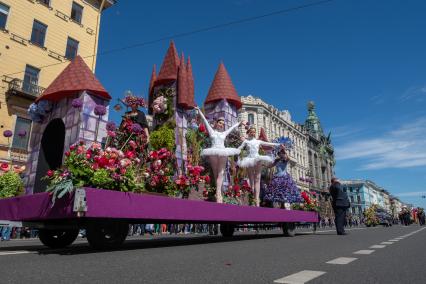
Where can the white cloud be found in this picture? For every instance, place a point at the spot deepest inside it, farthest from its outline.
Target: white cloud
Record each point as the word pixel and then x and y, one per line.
pixel 414 93
pixel 403 147
pixel 413 193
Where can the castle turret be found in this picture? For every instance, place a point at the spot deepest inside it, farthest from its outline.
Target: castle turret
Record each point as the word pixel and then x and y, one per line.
pixel 222 99
pixel 65 114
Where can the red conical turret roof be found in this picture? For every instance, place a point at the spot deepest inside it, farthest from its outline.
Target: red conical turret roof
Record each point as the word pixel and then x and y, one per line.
pixel 182 84
pixel 151 86
pixel 262 135
pixel 222 88
pixel 76 77
pixel 191 91
pixel 170 65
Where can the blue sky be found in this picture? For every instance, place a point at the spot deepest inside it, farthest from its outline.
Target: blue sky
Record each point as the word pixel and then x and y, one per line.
pixel 362 62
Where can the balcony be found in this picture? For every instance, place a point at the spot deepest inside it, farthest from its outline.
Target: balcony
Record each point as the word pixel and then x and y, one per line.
pixel 18 87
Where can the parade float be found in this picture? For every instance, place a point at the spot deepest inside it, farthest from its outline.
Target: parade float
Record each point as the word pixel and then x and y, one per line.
pixel 193 166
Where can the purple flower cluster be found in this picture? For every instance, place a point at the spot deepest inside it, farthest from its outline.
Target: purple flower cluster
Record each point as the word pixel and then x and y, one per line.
pixel 110 126
pixel 100 110
pixel 77 103
pixel 22 133
pixel 283 189
pixel 7 133
pixel 136 128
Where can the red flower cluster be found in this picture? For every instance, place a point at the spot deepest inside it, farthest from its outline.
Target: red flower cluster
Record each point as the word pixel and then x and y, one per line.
pixel 160 170
pixel 192 179
pixel 239 188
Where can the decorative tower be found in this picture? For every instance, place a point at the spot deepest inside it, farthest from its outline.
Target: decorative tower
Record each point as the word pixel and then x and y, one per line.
pixel 312 123
pixel 61 121
pixel 175 84
pixel 222 99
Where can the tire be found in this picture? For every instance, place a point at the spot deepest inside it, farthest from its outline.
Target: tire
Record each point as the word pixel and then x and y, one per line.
pixel 227 230
pixel 106 235
pixel 57 238
pixel 289 229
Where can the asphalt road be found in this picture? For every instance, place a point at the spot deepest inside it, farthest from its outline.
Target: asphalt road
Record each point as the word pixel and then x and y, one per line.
pixel 246 258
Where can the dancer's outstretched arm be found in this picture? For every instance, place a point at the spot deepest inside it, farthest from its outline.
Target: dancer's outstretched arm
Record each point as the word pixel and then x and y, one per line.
pixel 242 145
pixel 269 143
pixel 232 128
pixel 209 128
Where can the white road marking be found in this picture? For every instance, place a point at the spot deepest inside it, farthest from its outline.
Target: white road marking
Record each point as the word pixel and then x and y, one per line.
pixel 342 260
pixel 300 277
pixel 393 240
pixel 364 251
pixel 377 246
pixel 15 252
pixel 386 243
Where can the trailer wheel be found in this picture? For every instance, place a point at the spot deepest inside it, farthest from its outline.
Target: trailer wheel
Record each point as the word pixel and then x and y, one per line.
pixel 102 235
pixel 227 230
pixel 289 229
pixel 57 238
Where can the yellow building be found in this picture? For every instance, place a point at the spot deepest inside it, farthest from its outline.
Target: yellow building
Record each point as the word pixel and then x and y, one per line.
pixel 37 40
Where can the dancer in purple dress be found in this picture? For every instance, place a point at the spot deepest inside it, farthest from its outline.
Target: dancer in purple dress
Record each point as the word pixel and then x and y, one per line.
pixel 282 188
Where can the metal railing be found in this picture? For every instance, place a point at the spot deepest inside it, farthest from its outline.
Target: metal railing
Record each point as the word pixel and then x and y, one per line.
pixel 28 88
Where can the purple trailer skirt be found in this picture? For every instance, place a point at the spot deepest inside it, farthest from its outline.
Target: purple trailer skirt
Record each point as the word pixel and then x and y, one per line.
pixel 121 205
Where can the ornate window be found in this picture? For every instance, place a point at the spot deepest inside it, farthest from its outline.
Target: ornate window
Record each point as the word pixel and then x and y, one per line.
pixel 251 118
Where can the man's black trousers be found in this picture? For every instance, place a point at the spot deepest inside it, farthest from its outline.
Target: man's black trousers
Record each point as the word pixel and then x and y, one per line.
pixel 340 215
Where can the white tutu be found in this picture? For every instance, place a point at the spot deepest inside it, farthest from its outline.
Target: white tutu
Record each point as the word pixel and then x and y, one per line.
pixel 224 152
pixel 249 162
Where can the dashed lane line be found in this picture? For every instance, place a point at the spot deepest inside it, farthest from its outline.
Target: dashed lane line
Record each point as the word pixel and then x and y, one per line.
pixel 342 260
pixel 15 252
pixel 393 240
pixel 300 277
pixel 364 251
pixel 387 243
pixel 378 246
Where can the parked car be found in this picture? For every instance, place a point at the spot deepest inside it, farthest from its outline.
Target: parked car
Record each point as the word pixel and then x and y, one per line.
pixel 384 217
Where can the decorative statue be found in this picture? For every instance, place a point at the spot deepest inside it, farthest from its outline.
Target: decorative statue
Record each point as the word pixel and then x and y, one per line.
pixel 282 188
pixel 218 154
pixel 253 162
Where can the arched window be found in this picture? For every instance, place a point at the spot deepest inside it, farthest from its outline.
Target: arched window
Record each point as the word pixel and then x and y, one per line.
pixel 251 118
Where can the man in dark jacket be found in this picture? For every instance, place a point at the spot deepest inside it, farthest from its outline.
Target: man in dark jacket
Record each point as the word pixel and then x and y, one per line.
pixel 340 203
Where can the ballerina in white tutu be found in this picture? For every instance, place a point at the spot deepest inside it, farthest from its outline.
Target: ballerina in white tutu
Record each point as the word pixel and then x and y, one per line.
pixel 254 161
pixel 218 154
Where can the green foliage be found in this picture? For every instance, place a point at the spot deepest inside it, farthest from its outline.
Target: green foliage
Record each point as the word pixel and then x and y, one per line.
pixel 101 179
pixel 77 166
pixel 58 190
pixel 370 216
pixel 10 185
pixel 163 137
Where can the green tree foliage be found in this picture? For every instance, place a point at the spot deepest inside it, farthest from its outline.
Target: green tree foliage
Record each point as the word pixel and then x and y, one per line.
pixel 10 185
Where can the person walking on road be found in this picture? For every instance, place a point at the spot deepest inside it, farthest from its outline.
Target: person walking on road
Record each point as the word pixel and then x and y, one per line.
pixel 340 203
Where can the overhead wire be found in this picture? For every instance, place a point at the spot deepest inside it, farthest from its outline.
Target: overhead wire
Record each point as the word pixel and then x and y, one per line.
pixel 196 31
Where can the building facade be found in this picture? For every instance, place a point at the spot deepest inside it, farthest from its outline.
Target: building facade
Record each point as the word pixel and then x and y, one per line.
pixel 320 158
pixel 365 193
pixel 277 123
pixel 38 38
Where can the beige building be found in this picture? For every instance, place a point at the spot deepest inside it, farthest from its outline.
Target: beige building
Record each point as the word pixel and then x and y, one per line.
pixel 277 123
pixel 37 40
